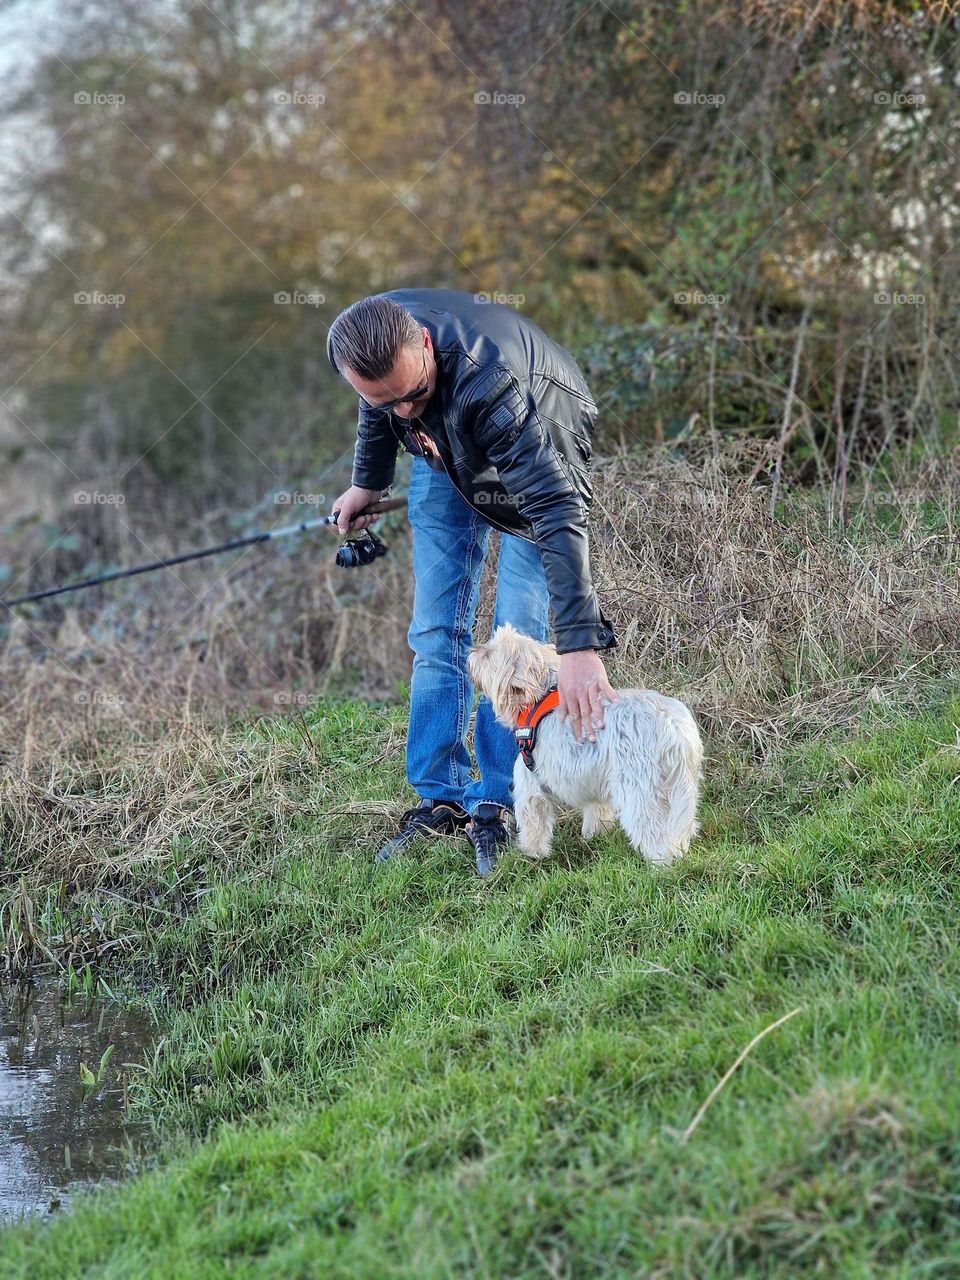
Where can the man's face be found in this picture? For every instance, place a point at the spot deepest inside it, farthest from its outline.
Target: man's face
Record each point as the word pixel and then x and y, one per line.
pixel 414 369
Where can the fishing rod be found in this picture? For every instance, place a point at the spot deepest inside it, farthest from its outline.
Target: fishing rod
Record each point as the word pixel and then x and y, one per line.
pixel 358 551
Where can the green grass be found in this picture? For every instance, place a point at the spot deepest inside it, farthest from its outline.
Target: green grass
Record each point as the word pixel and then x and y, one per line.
pixel 404 1072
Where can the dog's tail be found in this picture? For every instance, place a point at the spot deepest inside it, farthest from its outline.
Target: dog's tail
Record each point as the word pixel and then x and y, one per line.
pixel 681 755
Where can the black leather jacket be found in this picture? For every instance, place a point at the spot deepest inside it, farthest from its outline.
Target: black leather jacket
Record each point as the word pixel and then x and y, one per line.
pixel 513 420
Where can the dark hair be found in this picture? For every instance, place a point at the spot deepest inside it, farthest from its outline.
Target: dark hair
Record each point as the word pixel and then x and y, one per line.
pixel 369 335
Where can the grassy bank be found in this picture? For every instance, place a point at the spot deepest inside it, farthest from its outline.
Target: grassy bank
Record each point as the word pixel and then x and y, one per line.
pixel 404 1072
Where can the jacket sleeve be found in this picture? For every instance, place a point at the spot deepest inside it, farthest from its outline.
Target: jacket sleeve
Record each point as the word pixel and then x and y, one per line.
pixel 375 455
pixel 510 433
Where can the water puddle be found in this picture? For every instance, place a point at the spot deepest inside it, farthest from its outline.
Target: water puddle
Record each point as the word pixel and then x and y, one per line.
pixel 61 1099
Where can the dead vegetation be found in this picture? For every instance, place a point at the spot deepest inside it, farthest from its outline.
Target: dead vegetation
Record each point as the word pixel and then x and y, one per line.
pixel 773 623
pixel 778 623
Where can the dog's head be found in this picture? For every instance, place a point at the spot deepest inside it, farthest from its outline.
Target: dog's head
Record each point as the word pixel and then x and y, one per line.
pixel 512 670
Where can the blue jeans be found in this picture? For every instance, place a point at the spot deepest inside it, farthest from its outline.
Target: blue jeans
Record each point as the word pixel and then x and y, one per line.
pixel 449 545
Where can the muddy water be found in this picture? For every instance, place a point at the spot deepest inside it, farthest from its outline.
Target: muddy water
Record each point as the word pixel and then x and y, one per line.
pixel 54 1134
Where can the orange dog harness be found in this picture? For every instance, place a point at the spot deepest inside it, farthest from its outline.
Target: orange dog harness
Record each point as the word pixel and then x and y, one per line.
pixel 528 720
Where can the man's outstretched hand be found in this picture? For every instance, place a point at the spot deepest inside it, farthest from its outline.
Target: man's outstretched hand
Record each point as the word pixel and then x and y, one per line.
pixel 583 688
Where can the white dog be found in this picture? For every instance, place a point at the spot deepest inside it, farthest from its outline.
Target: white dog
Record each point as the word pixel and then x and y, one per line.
pixel 643 769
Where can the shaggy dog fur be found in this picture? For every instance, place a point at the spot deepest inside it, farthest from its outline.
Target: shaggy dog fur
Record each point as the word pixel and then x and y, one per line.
pixel 644 768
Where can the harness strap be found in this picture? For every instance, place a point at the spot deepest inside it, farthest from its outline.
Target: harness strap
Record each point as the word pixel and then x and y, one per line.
pixel 528 721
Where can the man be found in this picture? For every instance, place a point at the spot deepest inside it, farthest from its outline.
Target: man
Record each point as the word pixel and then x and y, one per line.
pixel 500 422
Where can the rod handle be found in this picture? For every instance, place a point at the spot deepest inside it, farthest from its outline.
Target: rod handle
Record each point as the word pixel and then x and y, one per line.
pixel 385 504
pixel 374 508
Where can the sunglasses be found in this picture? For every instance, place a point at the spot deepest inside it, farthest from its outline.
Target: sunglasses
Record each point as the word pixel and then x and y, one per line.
pixel 416 394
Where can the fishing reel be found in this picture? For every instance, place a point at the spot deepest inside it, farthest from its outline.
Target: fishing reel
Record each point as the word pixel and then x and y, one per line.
pixel 363 549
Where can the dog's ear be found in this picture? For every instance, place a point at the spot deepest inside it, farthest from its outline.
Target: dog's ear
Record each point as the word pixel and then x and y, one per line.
pixel 534 668
pixel 477 659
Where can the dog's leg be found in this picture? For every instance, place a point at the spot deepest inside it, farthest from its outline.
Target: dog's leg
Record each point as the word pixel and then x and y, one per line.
pixel 596 817
pixel 536 813
pixel 679 789
pixel 657 805
pixel 642 818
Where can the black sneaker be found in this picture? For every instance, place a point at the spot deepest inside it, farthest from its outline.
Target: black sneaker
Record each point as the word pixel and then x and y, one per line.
pixel 429 817
pixel 493 827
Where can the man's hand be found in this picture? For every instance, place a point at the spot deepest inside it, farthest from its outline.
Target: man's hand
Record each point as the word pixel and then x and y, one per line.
pixel 347 506
pixel 583 688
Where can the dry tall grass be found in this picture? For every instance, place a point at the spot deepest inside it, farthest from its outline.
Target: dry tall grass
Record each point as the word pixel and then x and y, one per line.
pixel 778 624
pixel 771 625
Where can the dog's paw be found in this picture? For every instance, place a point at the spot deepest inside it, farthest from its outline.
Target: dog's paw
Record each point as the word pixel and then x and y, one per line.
pixel 661 859
pixel 538 854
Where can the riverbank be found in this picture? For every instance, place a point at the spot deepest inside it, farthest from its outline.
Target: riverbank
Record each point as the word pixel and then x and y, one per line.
pixel 400 1071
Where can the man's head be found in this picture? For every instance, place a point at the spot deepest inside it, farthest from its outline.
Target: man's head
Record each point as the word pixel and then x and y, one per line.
pixel 384 354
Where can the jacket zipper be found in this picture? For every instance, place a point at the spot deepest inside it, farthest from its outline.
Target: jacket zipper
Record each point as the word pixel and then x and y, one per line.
pixel 502 528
